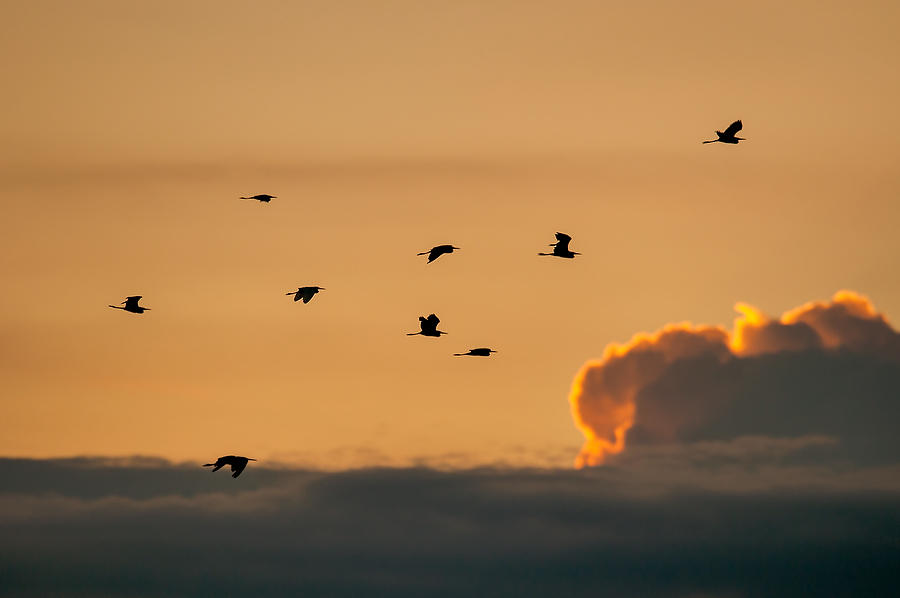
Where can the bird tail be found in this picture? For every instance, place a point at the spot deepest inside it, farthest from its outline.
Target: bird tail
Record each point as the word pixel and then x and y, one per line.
pixel 116 307
pixel 412 333
pixel 209 465
pixel 545 254
pixel 711 141
pixel 424 253
pixel 459 354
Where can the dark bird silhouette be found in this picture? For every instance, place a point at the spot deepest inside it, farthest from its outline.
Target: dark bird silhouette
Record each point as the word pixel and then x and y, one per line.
pixel 262 197
pixel 237 464
pixel 131 304
pixel 305 293
pixel 436 252
pixel 561 247
pixel 729 135
pixel 479 352
pixel 429 326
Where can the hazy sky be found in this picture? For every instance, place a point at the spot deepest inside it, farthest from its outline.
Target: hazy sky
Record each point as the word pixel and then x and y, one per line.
pixel 385 128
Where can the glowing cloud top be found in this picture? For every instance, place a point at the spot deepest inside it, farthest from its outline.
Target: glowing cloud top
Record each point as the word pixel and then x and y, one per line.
pixel 626 387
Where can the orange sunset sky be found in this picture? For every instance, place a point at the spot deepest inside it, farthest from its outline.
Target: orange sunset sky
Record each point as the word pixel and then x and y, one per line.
pixel 385 128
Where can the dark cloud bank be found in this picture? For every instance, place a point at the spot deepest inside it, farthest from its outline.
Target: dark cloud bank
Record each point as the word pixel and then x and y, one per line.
pixel 747 518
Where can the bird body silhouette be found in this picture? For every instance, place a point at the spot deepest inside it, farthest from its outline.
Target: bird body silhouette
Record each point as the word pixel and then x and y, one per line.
pixel 561 247
pixel 305 293
pixel 728 136
pixel 262 197
pixel 429 326
pixel 479 352
pixel 437 251
pixel 131 304
pixel 237 464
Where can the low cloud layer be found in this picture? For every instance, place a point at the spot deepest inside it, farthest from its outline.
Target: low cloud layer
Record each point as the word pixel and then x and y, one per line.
pixel 660 527
pixel 829 369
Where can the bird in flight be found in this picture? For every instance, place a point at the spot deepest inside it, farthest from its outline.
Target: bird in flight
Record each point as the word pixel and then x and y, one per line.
pixel 237 464
pixel 131 304
pixel 305 293
pixel 561 247
pixel 429 326
pixel 729 135
pixel 262 197
pixel 479 352
pixel 436 252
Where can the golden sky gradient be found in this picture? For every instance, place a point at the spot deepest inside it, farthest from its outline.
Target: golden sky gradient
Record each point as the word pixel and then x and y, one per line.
pixel 385 128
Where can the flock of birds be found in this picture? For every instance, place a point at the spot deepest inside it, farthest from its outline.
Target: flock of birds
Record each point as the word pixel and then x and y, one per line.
pixel 427 325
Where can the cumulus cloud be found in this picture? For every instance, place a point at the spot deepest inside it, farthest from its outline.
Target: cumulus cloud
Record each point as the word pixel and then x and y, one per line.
pixel 825 368
pixel 417 531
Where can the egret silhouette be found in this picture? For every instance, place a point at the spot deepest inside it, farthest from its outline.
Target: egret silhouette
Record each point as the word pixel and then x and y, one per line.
pixel 429 326
pixel 305 293
pixel 479 352
pixel 729 135
pixel 561 247
pixel 262 197
pixel 237 464
pixel 436 252
pixel 131 304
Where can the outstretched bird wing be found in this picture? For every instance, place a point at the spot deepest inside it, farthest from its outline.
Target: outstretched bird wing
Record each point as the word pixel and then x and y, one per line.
pixel 132 301
pixel 562 241
pixel 237 466
pixel 433 320
pixel 733 128
pixel 307 293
